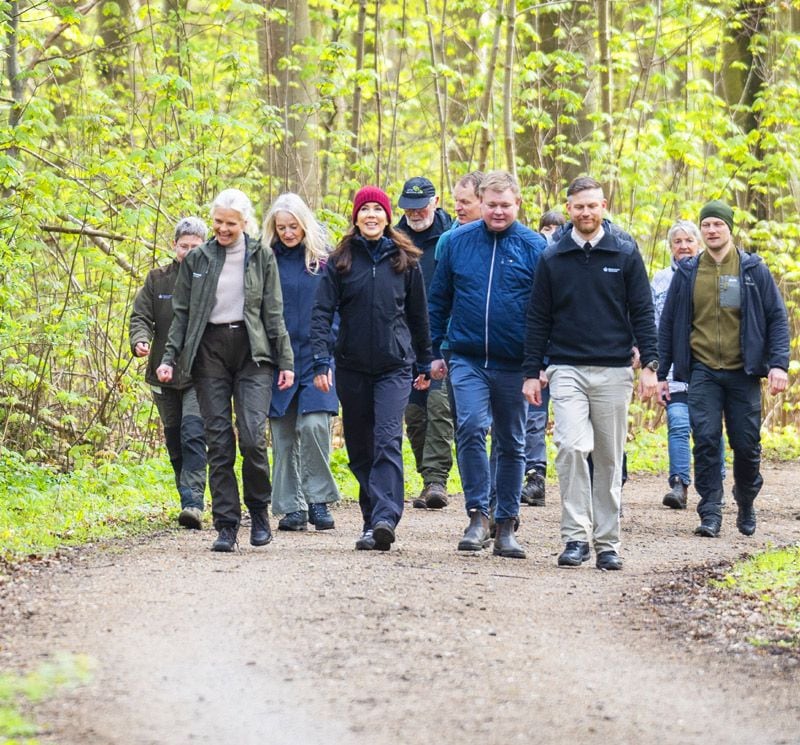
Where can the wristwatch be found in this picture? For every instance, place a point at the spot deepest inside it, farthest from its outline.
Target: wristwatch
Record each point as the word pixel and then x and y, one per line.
pixel 652 365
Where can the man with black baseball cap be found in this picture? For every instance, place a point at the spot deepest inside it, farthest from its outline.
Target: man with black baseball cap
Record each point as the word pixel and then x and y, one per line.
pixel 723 328
pixel 429 423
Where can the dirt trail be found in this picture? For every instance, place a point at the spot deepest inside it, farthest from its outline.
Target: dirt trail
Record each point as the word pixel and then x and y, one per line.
pixel 308 641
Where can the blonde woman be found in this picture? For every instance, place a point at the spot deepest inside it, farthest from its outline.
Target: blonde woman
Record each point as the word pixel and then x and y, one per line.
pixel 300 416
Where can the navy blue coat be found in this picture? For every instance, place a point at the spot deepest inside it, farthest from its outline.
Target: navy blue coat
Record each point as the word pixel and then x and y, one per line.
pixel 299 290
pixel 383 315
pixel 480 292
pixel 764 329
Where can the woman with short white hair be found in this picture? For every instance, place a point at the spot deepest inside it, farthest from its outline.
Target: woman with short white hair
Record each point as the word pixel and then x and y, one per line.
pixel 228 331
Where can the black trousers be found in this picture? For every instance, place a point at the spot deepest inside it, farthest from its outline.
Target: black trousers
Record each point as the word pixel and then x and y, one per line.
pixel 372 421
pixel 225 371
pixel 736 396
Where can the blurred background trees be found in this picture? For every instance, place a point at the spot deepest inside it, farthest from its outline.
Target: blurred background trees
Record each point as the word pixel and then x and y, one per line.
pixel 117 117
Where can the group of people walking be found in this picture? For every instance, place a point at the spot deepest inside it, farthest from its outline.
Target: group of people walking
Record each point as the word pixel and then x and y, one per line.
pixel 457 328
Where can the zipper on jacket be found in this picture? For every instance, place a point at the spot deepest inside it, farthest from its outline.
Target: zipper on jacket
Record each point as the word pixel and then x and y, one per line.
pixel 486 312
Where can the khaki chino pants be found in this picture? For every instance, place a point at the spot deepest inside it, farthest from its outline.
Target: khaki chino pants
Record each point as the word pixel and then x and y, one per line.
pixel 590 410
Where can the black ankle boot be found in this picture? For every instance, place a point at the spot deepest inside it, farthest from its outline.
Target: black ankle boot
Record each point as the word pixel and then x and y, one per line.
pixel 476 536
pixel 709 526
pixel 505 543
pixel 260 532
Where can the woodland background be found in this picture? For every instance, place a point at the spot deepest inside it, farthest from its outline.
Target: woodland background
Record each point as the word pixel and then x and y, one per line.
pixel 117 117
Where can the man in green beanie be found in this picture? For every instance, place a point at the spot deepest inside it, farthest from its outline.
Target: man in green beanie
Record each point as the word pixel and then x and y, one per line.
pixel 723 328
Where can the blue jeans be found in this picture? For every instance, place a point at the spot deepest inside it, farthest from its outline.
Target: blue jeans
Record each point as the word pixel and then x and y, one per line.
pixel 487 397
pixel 736 396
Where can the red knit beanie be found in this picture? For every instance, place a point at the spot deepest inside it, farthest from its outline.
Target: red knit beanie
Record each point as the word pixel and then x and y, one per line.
pixel 371 194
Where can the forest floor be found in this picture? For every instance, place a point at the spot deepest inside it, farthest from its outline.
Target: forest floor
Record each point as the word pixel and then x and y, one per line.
pixel 308 641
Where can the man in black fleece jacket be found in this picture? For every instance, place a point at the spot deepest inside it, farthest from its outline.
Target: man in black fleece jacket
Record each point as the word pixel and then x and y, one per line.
pixel 590 304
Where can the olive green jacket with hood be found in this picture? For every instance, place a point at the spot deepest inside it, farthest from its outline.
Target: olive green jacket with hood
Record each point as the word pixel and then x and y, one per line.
pixel 195 293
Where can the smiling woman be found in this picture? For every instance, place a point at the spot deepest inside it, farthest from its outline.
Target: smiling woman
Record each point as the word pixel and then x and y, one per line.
pixel 228 332
pixel 374 282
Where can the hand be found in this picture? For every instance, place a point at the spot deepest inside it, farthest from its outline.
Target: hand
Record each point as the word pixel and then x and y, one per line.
pixel 438 369
pixel 142 349
pixel 663 393
pixel 532 390
pixel 648 383
pixel 543 379
pixel 164 373
pixel 324 381
pixel 778 380
pixel 285 379
pixel 422 382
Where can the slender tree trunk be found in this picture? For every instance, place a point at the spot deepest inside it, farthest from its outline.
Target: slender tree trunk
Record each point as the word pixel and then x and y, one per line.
pixel 12 69
pixel 606 79
pixel 114 24
pixel 440 91
pixel 487 134
pixel 508 80
pixel 355 115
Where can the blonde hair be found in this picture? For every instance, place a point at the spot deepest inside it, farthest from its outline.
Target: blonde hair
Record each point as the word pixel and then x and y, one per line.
pixel 316 246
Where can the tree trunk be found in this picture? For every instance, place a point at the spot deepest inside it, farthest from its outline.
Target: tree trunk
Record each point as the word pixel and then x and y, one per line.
pixel 485 113
pixel 508 79
pixel 114 26
pixel 355 116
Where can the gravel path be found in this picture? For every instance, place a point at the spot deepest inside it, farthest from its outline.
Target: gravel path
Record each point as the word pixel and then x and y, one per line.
pixel 307 641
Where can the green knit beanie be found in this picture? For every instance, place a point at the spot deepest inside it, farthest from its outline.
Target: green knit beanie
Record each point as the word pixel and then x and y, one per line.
pixel 719 209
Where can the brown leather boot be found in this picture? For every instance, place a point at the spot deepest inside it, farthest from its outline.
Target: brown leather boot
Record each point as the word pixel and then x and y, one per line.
pixel 505 543
pixel 476 536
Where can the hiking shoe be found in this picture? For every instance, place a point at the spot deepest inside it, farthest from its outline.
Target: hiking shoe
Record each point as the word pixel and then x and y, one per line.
pixel 709 526
pixel 574 554
pixel 191 518
pixel 435 496
pixel 609 561
pixel 296 520
pixel 366 542
pixel 746 519
pixel 383 533
pixel 420 502
pixel 675 498
pixel 260 532
pixel 226 540
pixel 320 517
pixel 533 489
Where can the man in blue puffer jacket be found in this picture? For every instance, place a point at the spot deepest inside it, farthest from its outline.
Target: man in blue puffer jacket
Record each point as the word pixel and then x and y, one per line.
pixel 478 299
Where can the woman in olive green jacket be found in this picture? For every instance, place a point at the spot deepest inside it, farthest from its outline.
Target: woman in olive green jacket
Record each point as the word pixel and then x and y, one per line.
pixel 228 332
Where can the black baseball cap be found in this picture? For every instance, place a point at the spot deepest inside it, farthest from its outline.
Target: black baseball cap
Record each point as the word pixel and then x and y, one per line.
pixel 417 193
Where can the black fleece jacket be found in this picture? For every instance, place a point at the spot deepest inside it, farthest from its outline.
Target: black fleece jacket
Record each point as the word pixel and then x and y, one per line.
pixel 590 307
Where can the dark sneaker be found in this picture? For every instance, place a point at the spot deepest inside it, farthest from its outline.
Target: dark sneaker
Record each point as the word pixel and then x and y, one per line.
pixel 574 554
pixel 533 489
pixel 191 518
pixel 383 533
pixel 675 498
pixel 709 527
pixel 260 532
pixel 293 521
pixel 435 496
pixel 320 517
pixel 746 519
pixel 226 540
pixel 366 542
pixel 609 561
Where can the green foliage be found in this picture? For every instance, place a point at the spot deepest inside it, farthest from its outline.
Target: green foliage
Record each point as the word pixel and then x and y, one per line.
pixel 771 580
pixel 64 671
pixel 102 498
pixel 124 138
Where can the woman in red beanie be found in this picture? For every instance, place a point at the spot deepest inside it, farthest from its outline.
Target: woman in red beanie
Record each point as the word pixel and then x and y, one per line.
pixel 374 281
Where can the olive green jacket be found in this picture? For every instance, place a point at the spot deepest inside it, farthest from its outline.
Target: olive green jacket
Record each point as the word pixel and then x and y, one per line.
pixel 193 300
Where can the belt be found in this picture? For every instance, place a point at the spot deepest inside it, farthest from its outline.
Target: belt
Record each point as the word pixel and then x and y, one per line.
pixel 232 325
